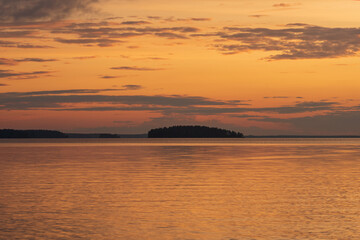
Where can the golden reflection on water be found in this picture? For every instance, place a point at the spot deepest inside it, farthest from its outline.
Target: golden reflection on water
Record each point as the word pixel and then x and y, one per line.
pixel 182 189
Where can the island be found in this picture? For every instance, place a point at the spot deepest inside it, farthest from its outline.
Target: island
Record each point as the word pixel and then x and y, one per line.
pixel 192 132
pixel 11 133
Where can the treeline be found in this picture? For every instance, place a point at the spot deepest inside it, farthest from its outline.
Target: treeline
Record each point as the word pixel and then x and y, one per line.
pixel 10 133
pixel 192 132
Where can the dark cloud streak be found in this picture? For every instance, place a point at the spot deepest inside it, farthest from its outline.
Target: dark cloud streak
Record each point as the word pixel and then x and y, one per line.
pixel 296 41
pixel 22 75
pixel 12 44
pixel 41 10
pixel 135 68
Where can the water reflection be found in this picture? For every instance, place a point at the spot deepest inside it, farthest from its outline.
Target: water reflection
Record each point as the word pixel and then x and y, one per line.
pixel 180 190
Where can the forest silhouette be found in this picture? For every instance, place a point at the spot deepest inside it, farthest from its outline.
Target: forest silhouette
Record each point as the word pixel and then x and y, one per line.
pixel 11 133
pixel 192 132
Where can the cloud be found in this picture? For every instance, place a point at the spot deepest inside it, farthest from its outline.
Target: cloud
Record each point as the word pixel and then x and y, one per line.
pixel 134 68
pixel 327 117
pixel 7 61
pixel 132 87
pixel 154 17
pixel 200 19
pixel 26 45
pixel 12 44
pixel 70 100
pixel 135 22
pixel 16 34
pixel 338 122
pixel 298 25
pixel 3 85
pixel 36 60
pixel 5 43
pixel 170 35
pixel 155 58
pixel 281 97
pixel 257 16
pixel 247 116
pixel 101 42
pixel 296 41
pixel 73 91
pixel 172 104
pixel 173 19
pixel 21 75
pixel 277 97
pixel 84 57
pixel 90 24
pixel 109 77
pixel 87 33
pixel 12 61
pixel 60 92
pixel 301 107
pixel 41 10
pixel 283 5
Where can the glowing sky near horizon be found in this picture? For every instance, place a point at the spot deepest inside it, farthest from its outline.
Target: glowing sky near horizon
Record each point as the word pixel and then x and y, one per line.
pixel 259 67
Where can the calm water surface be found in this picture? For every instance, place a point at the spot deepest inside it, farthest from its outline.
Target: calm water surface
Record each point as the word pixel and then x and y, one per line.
pixel 180 189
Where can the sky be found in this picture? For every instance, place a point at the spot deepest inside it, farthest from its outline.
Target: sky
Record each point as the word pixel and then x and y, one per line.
pixel 125 66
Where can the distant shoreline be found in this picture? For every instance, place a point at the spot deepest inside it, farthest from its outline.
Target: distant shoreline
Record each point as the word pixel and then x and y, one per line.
pixel 38 134
pixel 34 134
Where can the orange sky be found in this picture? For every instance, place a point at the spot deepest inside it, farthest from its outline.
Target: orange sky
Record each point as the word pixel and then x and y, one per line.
pixel 259 67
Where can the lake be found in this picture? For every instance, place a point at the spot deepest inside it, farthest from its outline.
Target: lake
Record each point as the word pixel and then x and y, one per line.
pixel 180 189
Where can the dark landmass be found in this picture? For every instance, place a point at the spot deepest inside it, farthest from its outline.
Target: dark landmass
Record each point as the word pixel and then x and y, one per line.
pixel 192 132
pixel 177 132
pixel 10 133
pixel 108 135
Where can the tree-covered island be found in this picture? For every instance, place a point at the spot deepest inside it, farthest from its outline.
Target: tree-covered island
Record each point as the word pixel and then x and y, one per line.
pixel 11 133
pixel 192 132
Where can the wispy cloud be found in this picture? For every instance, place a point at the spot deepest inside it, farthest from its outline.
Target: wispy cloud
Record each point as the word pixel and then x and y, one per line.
pixel 172 104
pixel 84 57
pixel 135 68
pixel 106 36
pixel 69 100
pixel 296 41
pixel 22 75
pixel 35 10
pixel 135 22
pixel 108 76
pixel 200 19
pixel 257 15
pixel 337 122
pixel 16 34
pixel 101 42
pixel 13 61
pixel 283 5
pixel 11 44
pixel 36 60
pixel 132 87
pixel 7 61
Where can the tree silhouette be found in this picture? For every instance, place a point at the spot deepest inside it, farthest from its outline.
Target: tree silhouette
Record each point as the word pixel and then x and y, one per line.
pixel 192 132
pixel 10 133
